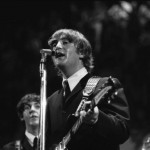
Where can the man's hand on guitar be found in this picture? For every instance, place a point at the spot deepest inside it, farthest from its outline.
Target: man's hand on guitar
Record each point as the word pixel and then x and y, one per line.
pixel 90 116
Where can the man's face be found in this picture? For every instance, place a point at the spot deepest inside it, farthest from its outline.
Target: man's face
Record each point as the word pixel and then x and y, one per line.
pixel 66 55
pixel 31 114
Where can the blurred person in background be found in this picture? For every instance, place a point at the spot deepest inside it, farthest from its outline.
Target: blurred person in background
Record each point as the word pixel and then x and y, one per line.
pixel 28 109
pixel 105 126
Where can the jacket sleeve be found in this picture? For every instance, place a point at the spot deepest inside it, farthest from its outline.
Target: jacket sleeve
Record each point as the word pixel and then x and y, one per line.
pixel 114 116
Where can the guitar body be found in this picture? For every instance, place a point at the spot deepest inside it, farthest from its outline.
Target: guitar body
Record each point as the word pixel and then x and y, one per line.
pixel 75 120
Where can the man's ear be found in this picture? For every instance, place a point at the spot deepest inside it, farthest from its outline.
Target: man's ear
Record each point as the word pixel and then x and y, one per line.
pixel 21 118
pixel 81 56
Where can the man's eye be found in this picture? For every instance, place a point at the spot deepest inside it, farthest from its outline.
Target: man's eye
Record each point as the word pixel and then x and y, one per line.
pixel 37 106
pixel 26 107
pixel 53 45
pixel 65 42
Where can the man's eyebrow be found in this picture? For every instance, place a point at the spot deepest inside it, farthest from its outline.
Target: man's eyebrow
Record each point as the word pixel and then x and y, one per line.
pixel 53 40
pixel 37 103
pixel 27 104
pixel 66 38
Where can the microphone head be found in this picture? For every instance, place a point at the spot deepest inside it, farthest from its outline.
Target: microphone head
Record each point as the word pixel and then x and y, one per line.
pixel 48 52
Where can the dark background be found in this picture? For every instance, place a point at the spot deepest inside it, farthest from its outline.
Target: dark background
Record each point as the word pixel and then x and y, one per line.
pixel 120 36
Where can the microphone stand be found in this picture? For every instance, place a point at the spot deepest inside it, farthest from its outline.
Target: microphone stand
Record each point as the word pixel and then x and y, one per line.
pixel 43 101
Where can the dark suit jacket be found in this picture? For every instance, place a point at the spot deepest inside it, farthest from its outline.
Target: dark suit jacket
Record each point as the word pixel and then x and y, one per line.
pixel 25 145
pixel 107 133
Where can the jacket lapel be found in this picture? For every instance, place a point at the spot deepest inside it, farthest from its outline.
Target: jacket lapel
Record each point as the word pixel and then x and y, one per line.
pixel 25 144
pixel 80 86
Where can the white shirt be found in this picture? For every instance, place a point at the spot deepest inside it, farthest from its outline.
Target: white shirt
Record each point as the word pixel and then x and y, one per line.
pixel 30 137
pixel 76 77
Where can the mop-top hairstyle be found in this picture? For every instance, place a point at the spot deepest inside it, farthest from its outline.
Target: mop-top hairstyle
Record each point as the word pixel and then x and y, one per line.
pixel 25 100
pixel 82 44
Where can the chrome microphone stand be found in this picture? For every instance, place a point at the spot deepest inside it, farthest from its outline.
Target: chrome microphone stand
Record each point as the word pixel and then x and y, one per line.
pixel 43 101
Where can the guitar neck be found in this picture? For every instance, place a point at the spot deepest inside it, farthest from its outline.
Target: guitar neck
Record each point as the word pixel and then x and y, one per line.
pixel 72 131
pixel 75 127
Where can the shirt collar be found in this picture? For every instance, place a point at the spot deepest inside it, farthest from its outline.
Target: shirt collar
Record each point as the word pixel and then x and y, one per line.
pixel 76 77
pixel 30 137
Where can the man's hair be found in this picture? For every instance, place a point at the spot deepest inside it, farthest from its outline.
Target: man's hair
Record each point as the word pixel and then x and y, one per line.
pixel 82 44
pixel 32 97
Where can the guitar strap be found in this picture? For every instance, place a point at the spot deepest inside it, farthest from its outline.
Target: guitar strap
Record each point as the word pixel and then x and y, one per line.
pixel 90 86
pixel 87 92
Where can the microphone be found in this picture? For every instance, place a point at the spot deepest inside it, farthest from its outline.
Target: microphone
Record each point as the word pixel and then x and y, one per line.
pixel 48 52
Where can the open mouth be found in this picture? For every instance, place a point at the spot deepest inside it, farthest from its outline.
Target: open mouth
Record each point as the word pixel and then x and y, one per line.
pixel 33 116
pixel 59 54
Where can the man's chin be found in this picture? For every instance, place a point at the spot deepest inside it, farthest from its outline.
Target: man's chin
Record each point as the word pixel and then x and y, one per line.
pixel 59 61
pixel 34 123
pixel 61 64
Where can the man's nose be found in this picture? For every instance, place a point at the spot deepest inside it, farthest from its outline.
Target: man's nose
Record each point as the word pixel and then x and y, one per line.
pixel 32 108
pixel 59 45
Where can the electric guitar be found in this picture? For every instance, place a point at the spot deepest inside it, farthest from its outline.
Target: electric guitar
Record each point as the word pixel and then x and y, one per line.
pixel 104 94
